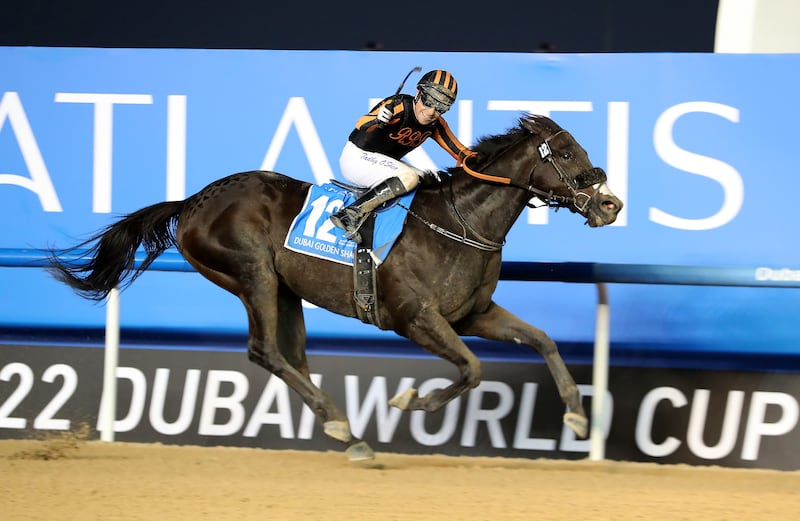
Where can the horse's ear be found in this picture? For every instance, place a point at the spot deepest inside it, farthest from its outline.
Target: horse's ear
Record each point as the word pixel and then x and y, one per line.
pixel 529 124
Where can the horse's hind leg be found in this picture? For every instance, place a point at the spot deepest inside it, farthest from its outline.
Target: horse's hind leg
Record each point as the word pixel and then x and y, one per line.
pixel 497 323
pixel 292 330
pixel 435 334
pixel 276 342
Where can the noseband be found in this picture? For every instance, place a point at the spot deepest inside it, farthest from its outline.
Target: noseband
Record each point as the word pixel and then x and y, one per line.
pixel 578 199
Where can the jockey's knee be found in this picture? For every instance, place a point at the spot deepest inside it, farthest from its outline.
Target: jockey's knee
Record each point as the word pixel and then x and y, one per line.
pixel 410 179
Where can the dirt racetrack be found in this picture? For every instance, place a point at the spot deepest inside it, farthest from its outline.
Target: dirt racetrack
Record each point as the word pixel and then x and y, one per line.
pixel 85 481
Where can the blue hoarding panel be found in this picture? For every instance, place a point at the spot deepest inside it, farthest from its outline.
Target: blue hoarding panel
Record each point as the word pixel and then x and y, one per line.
pixel 697 149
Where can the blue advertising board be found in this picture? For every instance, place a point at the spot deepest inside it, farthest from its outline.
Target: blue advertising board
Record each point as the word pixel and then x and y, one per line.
pixel 698 146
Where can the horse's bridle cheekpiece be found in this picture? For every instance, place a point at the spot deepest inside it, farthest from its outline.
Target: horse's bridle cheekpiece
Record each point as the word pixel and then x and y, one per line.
pixel 574 185
pixel 576 198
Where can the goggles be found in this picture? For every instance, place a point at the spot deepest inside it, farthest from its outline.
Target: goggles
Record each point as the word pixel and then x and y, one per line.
pixel 432 103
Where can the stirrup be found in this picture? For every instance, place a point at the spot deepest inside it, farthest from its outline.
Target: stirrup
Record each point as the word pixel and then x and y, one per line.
pixel 345 220
pixel 351 232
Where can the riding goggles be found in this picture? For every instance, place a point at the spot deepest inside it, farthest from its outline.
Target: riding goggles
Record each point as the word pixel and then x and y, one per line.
pixel 432 103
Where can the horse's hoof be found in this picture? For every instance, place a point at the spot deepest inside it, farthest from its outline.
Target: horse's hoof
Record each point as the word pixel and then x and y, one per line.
pixel 359 451
pixel 338 430
pixel 404 399
pixel 578 423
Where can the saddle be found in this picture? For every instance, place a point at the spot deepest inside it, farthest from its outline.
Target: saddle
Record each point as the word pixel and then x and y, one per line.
pixel 357 190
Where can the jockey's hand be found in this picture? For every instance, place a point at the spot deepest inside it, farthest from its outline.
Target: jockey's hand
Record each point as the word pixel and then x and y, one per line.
pixel 473 156
pixel 384 114
pixel 430 178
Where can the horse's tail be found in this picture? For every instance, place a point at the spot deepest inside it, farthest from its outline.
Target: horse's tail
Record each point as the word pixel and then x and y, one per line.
pixel 107 260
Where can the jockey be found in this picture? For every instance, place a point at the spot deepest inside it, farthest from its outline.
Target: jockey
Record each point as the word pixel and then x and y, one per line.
pixel 393 128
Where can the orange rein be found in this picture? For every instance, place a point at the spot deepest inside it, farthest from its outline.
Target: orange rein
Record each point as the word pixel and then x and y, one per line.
pixel 485 177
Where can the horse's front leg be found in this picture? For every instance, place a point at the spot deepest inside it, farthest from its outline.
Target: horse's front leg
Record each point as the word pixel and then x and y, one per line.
pixel 436 335
pixel 497 323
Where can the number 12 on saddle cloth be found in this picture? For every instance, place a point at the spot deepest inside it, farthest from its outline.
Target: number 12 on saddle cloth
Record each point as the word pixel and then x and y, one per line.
pixel 312 233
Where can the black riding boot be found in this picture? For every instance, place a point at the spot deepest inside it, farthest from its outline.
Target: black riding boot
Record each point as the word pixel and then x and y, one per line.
pixel 350 218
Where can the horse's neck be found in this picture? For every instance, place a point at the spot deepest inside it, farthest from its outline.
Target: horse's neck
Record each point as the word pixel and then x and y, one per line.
pixel 489 208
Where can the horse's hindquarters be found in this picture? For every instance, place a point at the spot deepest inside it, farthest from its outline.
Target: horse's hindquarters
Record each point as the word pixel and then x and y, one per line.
pixel 232 227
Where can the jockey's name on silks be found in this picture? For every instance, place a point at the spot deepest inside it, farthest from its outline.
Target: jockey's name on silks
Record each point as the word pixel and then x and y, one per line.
pixel 312 232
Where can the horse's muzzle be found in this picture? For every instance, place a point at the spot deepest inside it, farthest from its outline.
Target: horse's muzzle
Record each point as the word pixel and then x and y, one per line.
pixel 603 207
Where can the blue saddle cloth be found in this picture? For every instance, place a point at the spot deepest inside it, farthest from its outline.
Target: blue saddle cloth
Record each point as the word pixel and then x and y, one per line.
pixel 312 232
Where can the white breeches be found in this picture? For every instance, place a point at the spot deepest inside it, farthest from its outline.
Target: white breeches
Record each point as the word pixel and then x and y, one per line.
pixel 370 168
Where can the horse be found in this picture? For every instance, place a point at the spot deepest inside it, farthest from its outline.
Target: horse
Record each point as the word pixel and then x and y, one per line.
pixel 435 287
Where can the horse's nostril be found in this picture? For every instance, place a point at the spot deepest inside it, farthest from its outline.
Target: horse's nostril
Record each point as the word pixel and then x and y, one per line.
pixel 611 205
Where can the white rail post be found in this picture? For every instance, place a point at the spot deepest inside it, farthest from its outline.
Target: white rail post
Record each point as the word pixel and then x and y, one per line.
pixel 597 437
pixel 108 401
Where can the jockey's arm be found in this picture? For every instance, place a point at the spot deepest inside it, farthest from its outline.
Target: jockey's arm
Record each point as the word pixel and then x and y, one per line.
pixel 370 119
pixel 448 141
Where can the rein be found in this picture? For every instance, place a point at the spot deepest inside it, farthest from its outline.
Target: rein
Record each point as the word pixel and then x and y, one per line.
pixel 551 200
pixel 483 243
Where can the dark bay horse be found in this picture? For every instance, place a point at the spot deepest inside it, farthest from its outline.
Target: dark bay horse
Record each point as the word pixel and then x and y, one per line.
pixel 435 287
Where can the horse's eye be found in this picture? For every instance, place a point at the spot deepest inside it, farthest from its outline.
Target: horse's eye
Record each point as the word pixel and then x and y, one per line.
pixel 566 155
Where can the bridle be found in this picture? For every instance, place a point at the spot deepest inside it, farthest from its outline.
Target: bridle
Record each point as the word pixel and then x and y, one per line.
pixel 579 200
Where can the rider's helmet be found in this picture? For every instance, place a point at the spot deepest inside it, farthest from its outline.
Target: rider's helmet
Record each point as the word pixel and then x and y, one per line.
pixel 438 90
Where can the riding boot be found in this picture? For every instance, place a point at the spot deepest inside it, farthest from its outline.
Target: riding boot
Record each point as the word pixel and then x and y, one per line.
pixel 350 218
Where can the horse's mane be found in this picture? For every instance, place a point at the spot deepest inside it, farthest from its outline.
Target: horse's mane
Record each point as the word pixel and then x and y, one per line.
pixel 491 146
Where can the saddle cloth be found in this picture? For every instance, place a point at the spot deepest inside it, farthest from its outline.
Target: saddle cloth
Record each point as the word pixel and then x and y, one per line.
pixel 312 232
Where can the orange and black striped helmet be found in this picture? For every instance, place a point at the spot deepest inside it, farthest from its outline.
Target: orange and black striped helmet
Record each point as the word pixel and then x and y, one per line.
pixel 439 84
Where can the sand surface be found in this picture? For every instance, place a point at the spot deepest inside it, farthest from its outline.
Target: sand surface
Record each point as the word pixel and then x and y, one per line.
pixel 64 479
